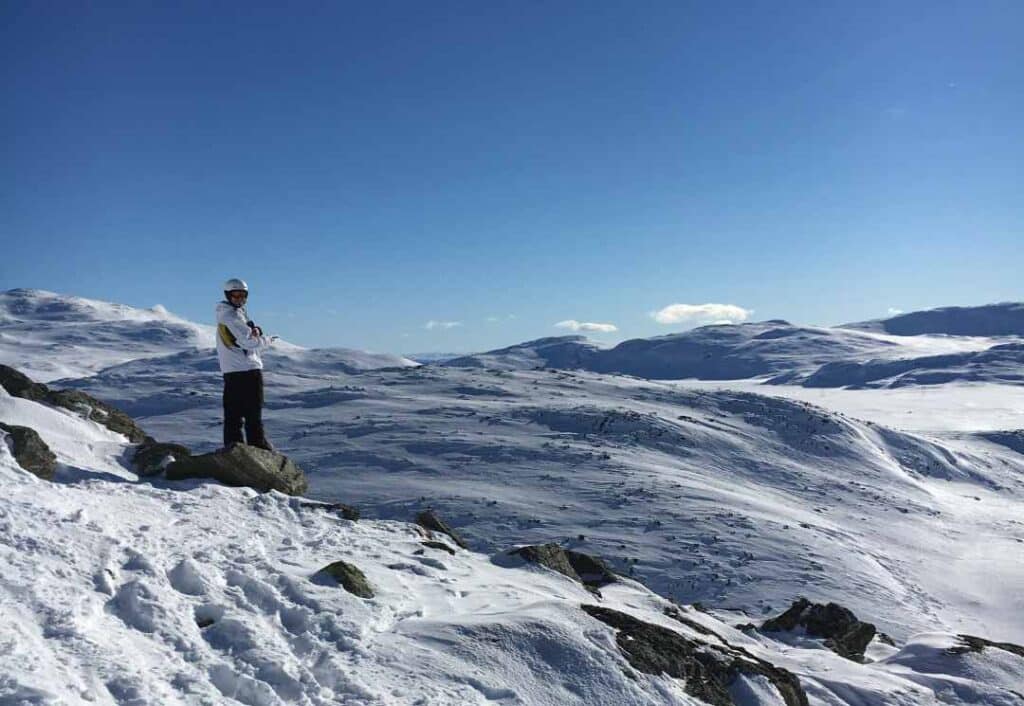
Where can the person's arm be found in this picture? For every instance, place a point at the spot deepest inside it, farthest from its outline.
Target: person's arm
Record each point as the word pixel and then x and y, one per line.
pixel 245 337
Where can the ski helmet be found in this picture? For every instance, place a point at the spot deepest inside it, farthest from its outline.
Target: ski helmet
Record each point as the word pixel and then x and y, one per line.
pixel 236 285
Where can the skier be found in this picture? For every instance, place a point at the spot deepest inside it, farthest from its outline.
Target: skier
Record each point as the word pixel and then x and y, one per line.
pixel 239 342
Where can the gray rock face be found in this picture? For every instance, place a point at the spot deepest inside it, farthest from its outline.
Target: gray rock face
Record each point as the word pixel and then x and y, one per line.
pixel 844 634
pixel 706 668
pixel 971 643
pixel 152 457
pixel 246 466
pixel 349 577
pixel 30 451
pixel 582 568
pixel 430 521
pixel 19 385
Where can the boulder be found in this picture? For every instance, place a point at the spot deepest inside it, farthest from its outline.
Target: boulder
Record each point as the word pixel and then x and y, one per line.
pixel 30 451
pixel 243 465
pixel 19 385
pixel 349 577
pixel 582 568
pixel 707 669
pixel 430 521
pixel 152 457
pixel 346 511
pixel 844 634
pixel 100 412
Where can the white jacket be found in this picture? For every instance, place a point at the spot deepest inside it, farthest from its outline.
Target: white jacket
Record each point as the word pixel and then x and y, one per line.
pixel 238 348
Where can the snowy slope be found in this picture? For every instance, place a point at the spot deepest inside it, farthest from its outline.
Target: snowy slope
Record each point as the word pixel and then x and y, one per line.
pixel 723 497
pixel 1005 319
pixel 120 592
pixel 721 352
pixel 50 336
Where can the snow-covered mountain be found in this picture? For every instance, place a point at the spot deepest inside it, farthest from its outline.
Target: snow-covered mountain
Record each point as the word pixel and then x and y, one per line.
pixel 1005 319
pixel 51 336
pixel 730 495
pixel 117 591
pixel 719 352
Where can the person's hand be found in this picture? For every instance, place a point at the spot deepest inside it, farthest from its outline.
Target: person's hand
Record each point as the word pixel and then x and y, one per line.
pixel 256 330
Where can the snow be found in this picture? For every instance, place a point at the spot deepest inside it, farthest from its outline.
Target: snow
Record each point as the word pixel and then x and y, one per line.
pixel 739 495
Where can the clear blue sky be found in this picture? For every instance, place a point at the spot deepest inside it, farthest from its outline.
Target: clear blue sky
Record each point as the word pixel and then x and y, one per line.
pixel 371 167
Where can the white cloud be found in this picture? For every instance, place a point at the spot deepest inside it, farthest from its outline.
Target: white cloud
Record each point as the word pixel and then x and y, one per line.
pixel 893 311
pixel 697 314
pixel 574 325
pixel 431 325
pixel 496 319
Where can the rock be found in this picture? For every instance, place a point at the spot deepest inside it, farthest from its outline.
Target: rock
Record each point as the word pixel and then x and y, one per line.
pixel 438 545
pixel 19 385
pixel 30 451
pixel 243 465
pixel 707 669
pixel 428 520
pixel 152 457
pixel 844 634
pixel 971 643
pixel 582 568
pixel 91 408
pixel 350 577
pixel 550 555
pixel 346 511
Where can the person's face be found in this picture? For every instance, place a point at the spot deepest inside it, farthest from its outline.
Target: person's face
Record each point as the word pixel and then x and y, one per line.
pixel 238 297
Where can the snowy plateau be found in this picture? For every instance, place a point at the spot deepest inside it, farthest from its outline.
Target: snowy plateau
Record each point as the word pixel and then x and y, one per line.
pixel 722 473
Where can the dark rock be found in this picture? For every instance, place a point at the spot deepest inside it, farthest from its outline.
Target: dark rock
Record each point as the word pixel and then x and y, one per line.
pixel 346 511
pixel 593 571
pixel 707 669
pixel 152 457
pixel 19 385
pixel 438 545
pixel 582 568
pixel 91 408
pixel 30 451
pixel 550 555
pixel 243 465
pixel 428 520
pixel 844 634
pixel 971 643
pixel 350 577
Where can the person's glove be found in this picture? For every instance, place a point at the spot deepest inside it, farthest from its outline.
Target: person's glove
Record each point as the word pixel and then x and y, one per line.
pixel 256 330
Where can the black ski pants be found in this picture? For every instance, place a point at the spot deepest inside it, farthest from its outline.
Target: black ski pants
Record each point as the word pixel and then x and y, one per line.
pixel 243 400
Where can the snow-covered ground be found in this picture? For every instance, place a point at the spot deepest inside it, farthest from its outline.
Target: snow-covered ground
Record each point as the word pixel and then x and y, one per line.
pixel 739 495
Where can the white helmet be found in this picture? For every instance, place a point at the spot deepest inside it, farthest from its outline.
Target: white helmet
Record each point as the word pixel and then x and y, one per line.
pixel 235 285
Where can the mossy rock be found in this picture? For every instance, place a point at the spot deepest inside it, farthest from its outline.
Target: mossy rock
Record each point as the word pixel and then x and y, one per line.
pixel 152 457
pixel 429 520
pixel 30 451
pixel 348 577
pixel 18 384
pixel 243 466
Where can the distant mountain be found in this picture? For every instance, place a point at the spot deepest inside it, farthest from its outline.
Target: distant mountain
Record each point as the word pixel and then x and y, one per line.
pixel 1000 364
pixel 720 352
pixel 51 336
pixel 1006 319
pixel 552 352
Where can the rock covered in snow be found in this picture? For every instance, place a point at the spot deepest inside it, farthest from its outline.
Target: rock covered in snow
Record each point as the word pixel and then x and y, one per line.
pixel 30 451
pixel 844 634
pixel 582 568
pixel 153 457
pixel 243 465
pixel 348 577
pixel 429 520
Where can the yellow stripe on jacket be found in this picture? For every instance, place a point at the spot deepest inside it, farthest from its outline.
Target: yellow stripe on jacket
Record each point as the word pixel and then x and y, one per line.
pixel 226 337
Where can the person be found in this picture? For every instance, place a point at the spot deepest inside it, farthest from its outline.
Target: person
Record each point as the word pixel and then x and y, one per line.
pixel 239 342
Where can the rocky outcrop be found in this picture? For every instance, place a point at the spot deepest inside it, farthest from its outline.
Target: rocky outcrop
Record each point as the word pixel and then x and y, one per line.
pixel 430 521
pixel 341 509
pixel 19 385
pixel 30 451
pixel 844 634
pixel 971 643
pixel 152 457
pixel 582 568
pixel 243 465
pixel 348 577
pixel 706 669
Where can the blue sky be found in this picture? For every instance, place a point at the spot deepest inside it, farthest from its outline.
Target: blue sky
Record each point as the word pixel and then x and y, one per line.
pixel 499 167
